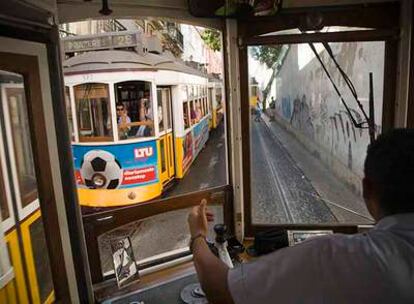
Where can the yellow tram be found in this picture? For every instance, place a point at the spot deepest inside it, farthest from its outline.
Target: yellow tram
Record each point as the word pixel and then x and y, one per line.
pixel 21 219
pixel 138 119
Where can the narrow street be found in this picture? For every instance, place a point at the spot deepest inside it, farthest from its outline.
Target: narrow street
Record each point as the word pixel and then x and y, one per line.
pixel 281 193
pixel 209 168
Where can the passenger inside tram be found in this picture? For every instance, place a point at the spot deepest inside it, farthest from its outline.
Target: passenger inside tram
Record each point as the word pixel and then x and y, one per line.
pixel 135 98
pixel 382 257
pixel 123 121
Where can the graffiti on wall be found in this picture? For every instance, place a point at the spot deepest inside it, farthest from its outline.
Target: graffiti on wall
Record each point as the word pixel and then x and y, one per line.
pixel 308 102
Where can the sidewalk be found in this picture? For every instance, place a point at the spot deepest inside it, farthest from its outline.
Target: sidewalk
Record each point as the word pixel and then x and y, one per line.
pixel 344 204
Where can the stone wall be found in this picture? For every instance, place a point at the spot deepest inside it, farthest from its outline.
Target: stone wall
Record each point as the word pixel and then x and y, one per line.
pixel 309 107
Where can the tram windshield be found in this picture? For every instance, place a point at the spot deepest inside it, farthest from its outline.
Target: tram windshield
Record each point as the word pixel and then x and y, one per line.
pixel 93 111
pixel 308 138
pixel 134 109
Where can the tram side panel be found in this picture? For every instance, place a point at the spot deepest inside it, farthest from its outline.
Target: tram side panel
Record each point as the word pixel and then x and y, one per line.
pixel 189 138
pixel 129 172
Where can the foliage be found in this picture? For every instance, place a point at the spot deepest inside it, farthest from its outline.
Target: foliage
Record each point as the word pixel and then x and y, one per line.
pixel 267 55
pixel 212 39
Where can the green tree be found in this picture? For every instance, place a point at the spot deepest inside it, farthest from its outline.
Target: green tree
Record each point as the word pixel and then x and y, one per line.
pixel 270 56
pixel 212 39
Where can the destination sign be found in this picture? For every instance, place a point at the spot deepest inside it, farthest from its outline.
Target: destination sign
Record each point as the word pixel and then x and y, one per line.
pixel 101 41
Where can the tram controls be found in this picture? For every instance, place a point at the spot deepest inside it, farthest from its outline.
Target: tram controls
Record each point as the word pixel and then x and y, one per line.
pixel 193 293
pixel 221 244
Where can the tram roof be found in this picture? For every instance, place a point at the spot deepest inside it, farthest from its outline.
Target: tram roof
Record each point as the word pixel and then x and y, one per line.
pixel 98 61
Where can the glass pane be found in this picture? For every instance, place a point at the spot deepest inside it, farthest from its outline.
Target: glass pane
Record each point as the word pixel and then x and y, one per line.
pixel 156 236
pixel 69 113
pixel 134 106
pixel 167 94
pixel 41 260
pixel 162 150
pixel 186 115
pixel 19 125
pixel 4 208
pixel 306 154
pixel 94 112
pixel 191 157
pixel 160 110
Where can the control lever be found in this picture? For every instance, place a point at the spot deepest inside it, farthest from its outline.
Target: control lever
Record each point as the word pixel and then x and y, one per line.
pixel 221 244
pixel 193 293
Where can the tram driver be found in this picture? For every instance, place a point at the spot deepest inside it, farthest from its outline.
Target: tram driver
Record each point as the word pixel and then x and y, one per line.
pixel 372 267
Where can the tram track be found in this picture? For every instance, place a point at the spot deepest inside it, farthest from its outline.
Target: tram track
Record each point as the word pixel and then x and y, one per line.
pixel 275 177
pixel 289 195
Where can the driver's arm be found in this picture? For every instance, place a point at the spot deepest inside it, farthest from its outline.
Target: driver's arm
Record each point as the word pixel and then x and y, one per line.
pixel 211 271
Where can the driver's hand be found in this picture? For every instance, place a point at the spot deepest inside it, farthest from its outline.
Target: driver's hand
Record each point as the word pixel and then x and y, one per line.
pixel 198 219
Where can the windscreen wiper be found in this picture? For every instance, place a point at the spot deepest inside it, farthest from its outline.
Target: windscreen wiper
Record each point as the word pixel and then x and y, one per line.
pixel 369 121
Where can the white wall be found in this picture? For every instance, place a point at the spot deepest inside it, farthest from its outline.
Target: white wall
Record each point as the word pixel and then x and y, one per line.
pixel 308 103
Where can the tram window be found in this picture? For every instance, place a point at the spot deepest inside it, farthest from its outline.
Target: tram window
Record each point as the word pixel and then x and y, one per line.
pixel 193 112
pixel 199 110
pixel 155 237
pixel 41 260
pixel 168 107
pixel 186 115
pixel 219 96
pixel 4 208
pixel 69 113
pixel 160 110
pixel 162 151
pixel 94 112
pixel 307 156
pixel 134 106
pixel 206 105
pixel 22 143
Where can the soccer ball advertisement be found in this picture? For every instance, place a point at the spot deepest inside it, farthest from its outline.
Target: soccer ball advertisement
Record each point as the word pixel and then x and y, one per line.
pixel 116 166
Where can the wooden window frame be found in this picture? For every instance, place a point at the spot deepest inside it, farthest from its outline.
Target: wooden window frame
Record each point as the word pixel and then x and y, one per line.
pixel 48 36
pixel 383 21
pixel 28 67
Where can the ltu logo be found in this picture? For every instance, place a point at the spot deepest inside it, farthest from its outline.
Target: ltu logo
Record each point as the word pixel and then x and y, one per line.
pixel 143 152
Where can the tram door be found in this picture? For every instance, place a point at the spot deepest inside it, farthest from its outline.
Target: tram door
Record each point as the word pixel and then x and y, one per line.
pixel 25 272
pixel 166 134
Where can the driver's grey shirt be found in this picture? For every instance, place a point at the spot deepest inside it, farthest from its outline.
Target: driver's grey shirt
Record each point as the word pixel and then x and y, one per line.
pixel 372 267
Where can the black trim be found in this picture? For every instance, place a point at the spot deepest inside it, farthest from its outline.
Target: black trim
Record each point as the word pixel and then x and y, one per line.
pixel 73 213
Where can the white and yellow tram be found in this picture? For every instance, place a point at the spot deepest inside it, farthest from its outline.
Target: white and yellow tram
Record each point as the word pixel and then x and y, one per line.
pixel 138 121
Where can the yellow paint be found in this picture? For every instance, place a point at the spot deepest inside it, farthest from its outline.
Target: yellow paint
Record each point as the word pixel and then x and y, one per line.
pixel 118 197
pixel 16 261
pixel 162 175
pixel 253 101
pixel 51 298
pixel 28 254
pixel 214 123
pixel 3 295
pixel 171 169
pixel 11 293
pixel 179 156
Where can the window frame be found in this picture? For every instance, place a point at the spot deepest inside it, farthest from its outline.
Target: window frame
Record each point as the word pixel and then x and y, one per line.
pixel 10 222
pixel 24 209
pixel 92 139
pixel 153 107
pixel 383 29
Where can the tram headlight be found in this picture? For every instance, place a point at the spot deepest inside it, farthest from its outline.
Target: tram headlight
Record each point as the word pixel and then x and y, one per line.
pixel 98 180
